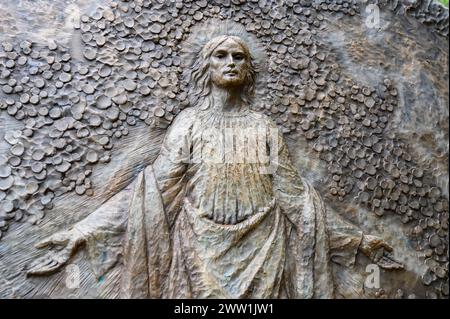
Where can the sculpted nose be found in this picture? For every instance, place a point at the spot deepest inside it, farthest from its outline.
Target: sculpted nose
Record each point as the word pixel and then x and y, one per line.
pixel 230 60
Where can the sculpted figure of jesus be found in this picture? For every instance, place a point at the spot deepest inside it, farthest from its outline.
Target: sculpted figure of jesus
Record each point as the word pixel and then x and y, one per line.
pixel 222 212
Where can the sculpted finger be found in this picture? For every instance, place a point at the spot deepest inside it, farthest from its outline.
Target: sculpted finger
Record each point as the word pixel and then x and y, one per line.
pixel 397 264
pixel 377 243
pixel 387 247
pixel 40 262
pixel 56 239
pixel 44 243
pixel 377 254
pixel 388 263
pixel 41 266
pixel 52 267
pixel 383 263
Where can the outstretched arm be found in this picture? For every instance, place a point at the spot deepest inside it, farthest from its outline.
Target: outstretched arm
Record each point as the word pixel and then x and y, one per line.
pixel 168 167
pixel 110 219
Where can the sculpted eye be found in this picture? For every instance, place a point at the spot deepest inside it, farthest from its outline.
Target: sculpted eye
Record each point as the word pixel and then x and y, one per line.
pixel 219 55
pixel 239 57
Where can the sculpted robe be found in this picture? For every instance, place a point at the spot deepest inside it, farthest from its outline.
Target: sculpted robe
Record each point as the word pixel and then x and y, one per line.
pixel 196 226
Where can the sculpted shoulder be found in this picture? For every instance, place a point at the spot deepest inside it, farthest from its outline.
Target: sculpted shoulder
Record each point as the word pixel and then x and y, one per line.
pixel 184 120
pixel 185 115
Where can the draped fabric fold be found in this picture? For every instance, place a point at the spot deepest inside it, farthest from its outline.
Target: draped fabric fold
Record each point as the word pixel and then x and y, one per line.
pixel 266 256
pixel 147 246
pixel 225 230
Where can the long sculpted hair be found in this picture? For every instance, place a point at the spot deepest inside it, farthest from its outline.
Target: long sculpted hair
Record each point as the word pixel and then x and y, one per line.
pixel 197 54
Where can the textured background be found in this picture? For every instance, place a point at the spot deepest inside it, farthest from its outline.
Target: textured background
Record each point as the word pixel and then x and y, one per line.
pixel 87 93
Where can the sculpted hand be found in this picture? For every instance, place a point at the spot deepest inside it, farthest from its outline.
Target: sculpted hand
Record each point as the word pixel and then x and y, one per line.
pixel 62 246
pixel 377 250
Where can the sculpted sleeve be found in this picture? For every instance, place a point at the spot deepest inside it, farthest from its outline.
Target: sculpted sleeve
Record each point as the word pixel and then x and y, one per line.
pixel 344 237
pixel 172 163
pixel 103 227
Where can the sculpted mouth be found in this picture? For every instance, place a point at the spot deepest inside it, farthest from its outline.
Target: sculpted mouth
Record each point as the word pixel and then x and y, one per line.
pixel 230 73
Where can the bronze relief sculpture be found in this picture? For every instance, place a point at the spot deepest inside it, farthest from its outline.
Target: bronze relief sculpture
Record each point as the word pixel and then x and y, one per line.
pixel 222 212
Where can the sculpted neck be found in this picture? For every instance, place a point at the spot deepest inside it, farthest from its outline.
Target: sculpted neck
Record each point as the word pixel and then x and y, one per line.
pixel 227 100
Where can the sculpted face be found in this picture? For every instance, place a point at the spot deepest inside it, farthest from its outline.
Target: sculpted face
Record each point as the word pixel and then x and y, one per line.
pixel 228 65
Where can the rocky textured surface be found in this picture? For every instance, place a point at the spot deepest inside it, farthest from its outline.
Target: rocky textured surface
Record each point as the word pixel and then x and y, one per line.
pixel 86 93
